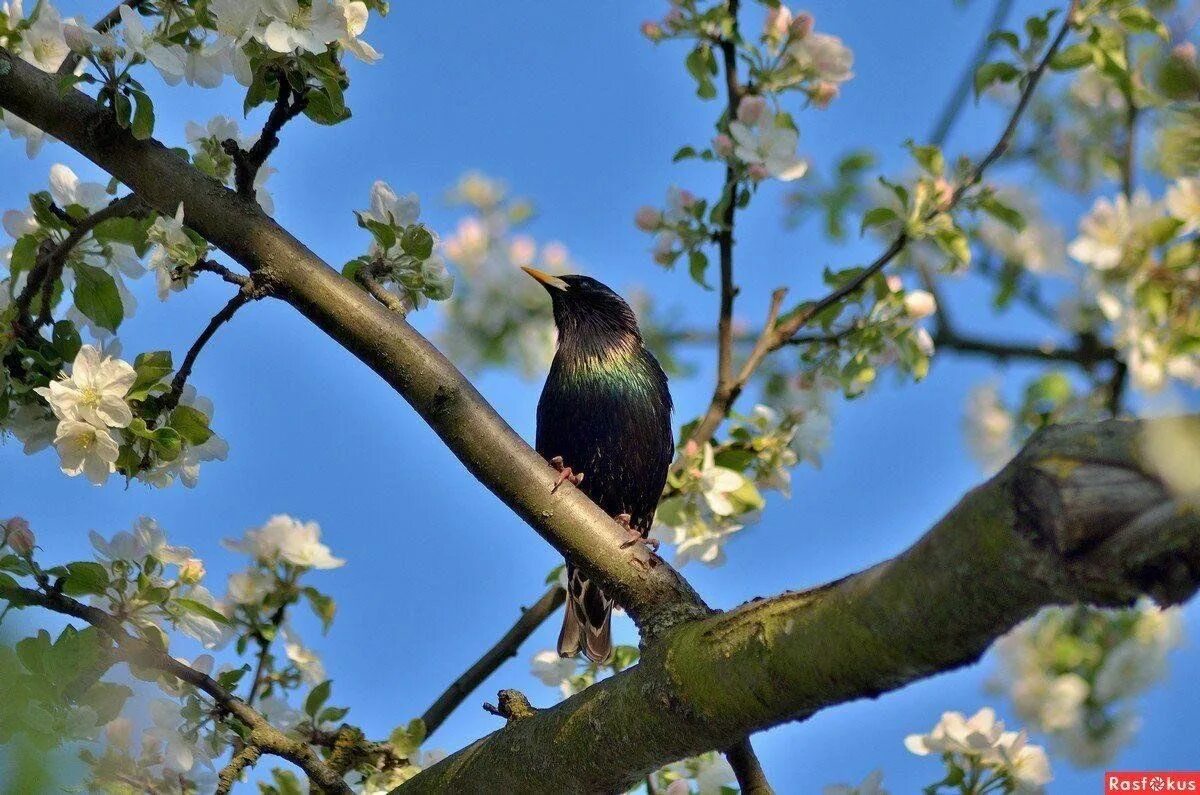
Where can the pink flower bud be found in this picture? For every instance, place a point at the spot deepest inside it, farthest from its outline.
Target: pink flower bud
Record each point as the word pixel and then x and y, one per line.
pixel 1184 51
pixel 686 199
pixel 20 537
pixel 802 25
pixel 758 172
pixel 673 21
pixel 522 250
pixel 779 20
pixel 653 31
pixel 894 283
pixel 945 193
pixel 751 109
pixel 824 93
pixel 647 219
pixel 722 145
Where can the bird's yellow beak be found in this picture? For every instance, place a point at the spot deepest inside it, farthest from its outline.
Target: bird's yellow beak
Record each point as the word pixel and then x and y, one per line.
pixel 545 278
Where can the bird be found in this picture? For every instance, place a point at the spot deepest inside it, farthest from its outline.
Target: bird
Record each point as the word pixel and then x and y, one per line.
pixel 604 421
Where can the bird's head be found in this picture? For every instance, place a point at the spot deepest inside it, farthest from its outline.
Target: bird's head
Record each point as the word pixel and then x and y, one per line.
pixel 586 311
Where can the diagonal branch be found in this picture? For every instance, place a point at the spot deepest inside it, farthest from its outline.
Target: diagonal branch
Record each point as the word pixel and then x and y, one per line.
pixel 262 734
pixel 243 296
pixel 1075 517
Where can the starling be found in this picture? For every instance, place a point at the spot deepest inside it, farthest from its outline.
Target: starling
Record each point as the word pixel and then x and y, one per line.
pixel 603 420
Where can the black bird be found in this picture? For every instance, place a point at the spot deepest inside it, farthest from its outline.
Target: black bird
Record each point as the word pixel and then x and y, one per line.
pixel 605 413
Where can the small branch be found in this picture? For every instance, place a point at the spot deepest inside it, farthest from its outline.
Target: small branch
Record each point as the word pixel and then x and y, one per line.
pixel 1083 355
pixel 513 706
pixel 750 776
pixel 262 734
pixel 288 105
pixel 226 274
pixel 779 333
pixel 243 296
pixel 724 237
pixel 379 292
pixel 246 757
pixel 264 647
pixel 966 81
pixel 505 648
pixel 350 747
pixel 50 263
pixel 109 20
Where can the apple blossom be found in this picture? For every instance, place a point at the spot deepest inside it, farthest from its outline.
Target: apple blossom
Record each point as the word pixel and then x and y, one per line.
pixel 18 536
pixel 85 449
pixel 95 391
pixel 284 538
pixel 823 57
pixel 310 28
pixel 1183 202
pixel 722 145
pixel 871 785
pixel 769 146
pixel 648 219
pixel 1107 231
pixel 919 304
pixel 751 109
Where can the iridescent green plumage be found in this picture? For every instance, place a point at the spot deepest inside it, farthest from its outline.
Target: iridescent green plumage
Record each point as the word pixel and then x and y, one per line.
pixel 606 411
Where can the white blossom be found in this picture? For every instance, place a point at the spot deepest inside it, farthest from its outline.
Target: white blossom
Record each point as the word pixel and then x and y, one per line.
pixel 769 145
pixel 553 670
pixel 295 27
pixel 43 43
pixel 94 392
pixel 389 208
pixel 167 60
pixel 823 56
pixel 354 21
pixel 283 537
pixel 312 670
pixel 145 538
pixel 871 785
pixel 249 587
pixel 173 250
pixel 1183 202
pixel 989 427
pixel 85 449
pixel 66 189
pixel 1106 232
pixel 179 752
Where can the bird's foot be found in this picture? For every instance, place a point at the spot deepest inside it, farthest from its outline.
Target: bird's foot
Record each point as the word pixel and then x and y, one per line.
pixel 634 536
pixel 565 473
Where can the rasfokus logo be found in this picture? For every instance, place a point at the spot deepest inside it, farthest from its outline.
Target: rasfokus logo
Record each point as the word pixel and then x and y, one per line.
pixel 1152 781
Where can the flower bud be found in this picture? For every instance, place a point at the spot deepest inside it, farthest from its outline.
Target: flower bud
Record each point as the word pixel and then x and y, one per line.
pixel 779 21
pixel 76 40
pixel 1184 51
pixel 919 304
pixel 722 145
pixel 19 536
pixel 673 20
pixel 758 172
pixel 191 571
pixel 894 283
pixel 687 199
pixel 653 31
pixel 522 250
pixel 647 219
pixel 751 109
pixel 802 25
pixel 554 254
pixel 824 93
pixel 945 193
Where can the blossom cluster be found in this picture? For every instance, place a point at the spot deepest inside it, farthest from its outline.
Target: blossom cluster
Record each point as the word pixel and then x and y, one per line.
pixel 1073 673
pixel 196 43
pixel 980 756
pixel 404 253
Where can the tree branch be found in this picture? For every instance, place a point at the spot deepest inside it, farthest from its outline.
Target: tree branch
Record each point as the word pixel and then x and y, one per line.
pixel 1075 517
pixel 289 104
pixel 262 734
pixel 531 618
pixel 243 296
pixel 654 595
pixel 798 317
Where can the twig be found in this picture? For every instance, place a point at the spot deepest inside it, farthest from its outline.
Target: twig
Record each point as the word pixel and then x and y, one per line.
pixel 262 734
pixel 504 649
pixel 225 273
pixel 264 646
pixel 243 296
pixel 1082 355
pixel 349 746
pixel 289 104
pixel 750 776
pixel 724 237
pixel 779 333
pixel 49 266
pixel 379 292
pixel 105 22
pixel 246 756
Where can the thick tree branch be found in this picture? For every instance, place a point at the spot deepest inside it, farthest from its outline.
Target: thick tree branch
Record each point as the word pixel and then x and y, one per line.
pixel 1075 517
pixel 262 735
pixel 654 595
pixel 505 648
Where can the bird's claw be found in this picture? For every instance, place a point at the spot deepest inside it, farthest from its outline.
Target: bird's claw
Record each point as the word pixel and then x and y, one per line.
pixel 635 537
pixel 565 473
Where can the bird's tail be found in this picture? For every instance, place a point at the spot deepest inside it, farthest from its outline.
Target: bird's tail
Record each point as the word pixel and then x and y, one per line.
pixel 587 621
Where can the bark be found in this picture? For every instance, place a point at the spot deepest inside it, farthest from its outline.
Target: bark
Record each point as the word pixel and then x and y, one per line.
pixel 1074 518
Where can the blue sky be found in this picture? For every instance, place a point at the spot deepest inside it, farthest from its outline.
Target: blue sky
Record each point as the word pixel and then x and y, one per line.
pixel 575 110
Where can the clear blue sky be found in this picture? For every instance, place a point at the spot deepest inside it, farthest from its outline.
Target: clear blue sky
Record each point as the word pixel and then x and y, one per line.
pixel 574 109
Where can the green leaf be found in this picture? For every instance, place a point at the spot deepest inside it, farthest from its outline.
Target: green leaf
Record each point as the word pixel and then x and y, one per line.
pixel 24 255
pixel 417 242
pixel 1006 37
pixel 107 698
pixel 201 609
pixel 123 109
pixel 143 116
pixel 317 698
pixel 878 216
pixel 683 154
pixel 333 714
pixel 1139 19
pixel 65 339
pixel 97 297
pixel 1002 212
pixel 167 443
pixel 323 606
pixel 1076 56
pixel 85 578
pixel 697 265
pixel 130 231
pixel 995 72
pixel 151 367
pixel 192 424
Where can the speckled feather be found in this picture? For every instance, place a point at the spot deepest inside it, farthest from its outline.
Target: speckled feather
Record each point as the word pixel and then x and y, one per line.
pixel 606 410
